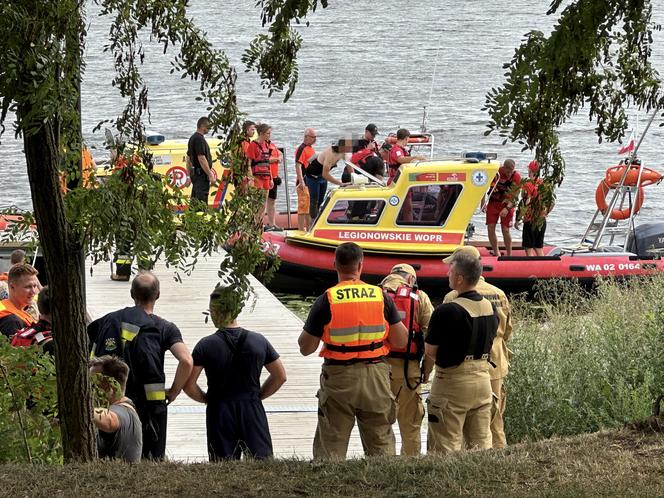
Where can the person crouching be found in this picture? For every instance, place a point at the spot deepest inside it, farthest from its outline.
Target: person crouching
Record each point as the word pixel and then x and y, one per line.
pixel 233 359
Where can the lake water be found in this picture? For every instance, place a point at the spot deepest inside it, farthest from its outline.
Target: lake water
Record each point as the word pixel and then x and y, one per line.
pixel 367 62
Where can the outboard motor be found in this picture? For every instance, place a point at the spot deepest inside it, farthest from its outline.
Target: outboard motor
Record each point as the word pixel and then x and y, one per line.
pixel 647 240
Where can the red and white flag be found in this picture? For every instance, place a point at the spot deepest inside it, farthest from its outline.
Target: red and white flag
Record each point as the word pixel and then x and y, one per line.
pixel 628 147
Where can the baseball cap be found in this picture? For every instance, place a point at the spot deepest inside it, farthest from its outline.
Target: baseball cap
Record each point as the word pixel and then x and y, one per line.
pixel 372 128
pixel 533 166
pixel 470 250
pixel 404 268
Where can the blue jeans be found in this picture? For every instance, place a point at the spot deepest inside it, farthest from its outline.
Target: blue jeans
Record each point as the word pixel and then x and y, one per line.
pixel 317 188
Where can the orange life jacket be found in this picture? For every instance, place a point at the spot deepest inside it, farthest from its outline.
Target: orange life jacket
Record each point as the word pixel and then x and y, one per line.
pixel 261 167
pixel 7 308
pixel 402 300
pixel 358 329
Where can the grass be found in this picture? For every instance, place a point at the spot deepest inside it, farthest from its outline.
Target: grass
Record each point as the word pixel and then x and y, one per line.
pixel 618 463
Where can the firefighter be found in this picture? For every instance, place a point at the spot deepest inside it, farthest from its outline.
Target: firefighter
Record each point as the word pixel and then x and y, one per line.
pixel 141 338
pixel 415 308
pixel 500 353
pixel 460 336
pixel 357 324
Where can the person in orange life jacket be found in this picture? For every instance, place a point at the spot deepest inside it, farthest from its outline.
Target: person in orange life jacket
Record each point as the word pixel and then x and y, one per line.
pixel 270 206
pixel 39 333
pixel 141 338
pixel 260 155
pixel 501 205
pixel 233 359
pixel 398 154
pixel 200 159
pixel 17 256
pixel 500 354
pixel 119 433
pixel 533 229
pixel 460 338
pixel 303 155
pixel 357 324
pixel 415 308
pixel 23 286
pixel 317 174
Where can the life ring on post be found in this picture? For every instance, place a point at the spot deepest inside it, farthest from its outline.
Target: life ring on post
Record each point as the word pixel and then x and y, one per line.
pixel 616 214
pixel 615 174
pixel 413 139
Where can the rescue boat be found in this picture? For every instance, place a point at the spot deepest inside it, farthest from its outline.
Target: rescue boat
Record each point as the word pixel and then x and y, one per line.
pixel 424 216
pixel 169 160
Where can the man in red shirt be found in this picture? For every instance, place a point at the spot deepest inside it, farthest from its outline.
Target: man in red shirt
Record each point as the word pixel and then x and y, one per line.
pixel 398 154
pixel 533 229
pixel 501 205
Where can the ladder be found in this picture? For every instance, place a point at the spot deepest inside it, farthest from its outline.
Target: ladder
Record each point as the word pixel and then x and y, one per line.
pixel 602 225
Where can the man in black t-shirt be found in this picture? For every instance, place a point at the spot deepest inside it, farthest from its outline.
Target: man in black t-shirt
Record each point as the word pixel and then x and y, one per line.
pixel 233 359
pixel 141 339
pixel 460 337
pixel 357 324
pixel 200 160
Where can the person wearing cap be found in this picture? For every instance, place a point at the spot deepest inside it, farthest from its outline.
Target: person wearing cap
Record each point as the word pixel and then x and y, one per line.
pixel 459 338
pixel 500 353
pixel 407 387
pixel 398 154
pixel 502 200
pixel 534 226
pixel 370 133
pixel 357 324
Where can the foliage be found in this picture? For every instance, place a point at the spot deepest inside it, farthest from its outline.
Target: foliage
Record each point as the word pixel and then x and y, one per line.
pixel 585 361
pixel 597 57
pixel 29 429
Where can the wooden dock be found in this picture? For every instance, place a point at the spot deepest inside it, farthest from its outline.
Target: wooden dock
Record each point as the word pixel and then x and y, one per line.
pixel 291 411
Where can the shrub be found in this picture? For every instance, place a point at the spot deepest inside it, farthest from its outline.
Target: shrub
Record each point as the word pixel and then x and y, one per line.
pixel 585 361
pixel 29 429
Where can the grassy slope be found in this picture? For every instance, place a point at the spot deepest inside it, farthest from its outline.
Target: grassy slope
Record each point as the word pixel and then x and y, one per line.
pixel 617 463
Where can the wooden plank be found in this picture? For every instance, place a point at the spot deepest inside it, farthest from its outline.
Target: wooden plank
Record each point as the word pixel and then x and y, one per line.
pixel 291 411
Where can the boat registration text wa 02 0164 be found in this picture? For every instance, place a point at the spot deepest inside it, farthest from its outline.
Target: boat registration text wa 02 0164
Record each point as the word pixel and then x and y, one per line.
pixel 390 236
pixel 613 266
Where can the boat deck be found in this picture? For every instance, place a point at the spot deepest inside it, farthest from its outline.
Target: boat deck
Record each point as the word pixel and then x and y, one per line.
pixel 291 411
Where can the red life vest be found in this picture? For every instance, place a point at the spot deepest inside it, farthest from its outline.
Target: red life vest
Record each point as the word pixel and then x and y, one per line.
pixel 29 336
pixel 360 157
pixel 261 167
pixel 358 329
pixel 402 300
pixel 504 186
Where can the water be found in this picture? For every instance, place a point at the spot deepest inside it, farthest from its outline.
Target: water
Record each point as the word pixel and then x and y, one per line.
pixel 367 62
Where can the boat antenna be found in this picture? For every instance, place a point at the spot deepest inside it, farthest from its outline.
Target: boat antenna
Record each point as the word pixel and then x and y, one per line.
pixel 425 113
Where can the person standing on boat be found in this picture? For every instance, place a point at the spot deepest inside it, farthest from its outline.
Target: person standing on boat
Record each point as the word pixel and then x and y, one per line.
pixel 500 353
pixel 460 337
pixel 141 339
pixel 23 286
pixel 398 154
pixel 233 359
pixel 200 159
pixel 534 226
pixel 357 324
pixel 502 200
pixel 261 156
pixel 370 133
pixel 303 155
pixel 415 308
pixel 317 174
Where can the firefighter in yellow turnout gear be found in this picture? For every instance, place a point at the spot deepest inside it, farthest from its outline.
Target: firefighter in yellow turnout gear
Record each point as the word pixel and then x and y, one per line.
pixel 401 286
pixel 460 337
pixel 500 353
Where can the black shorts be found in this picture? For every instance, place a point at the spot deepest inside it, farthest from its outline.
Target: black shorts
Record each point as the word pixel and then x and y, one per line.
pixel 272 193
pixel 533 238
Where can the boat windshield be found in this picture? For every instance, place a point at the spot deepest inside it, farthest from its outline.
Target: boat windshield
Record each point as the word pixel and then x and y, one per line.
pixel 429 205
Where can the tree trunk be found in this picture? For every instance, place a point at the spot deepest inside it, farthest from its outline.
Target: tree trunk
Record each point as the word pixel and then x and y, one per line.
pixel 63 255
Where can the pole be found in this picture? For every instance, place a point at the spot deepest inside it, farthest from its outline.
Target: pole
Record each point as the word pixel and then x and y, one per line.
pixel 287 187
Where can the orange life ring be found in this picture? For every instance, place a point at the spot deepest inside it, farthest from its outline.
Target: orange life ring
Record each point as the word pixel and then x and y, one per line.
pixel 615 174
pixel 617 214
pixel 413 139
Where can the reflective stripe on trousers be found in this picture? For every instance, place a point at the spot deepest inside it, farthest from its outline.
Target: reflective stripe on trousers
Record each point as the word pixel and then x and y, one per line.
pixel 155 392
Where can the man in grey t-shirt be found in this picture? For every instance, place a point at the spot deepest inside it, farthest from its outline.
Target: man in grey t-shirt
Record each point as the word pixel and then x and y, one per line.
pixel 119 428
